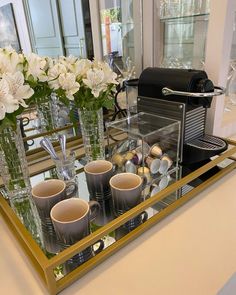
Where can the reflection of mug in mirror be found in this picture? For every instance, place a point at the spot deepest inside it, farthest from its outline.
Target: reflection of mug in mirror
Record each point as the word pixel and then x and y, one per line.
pixel 130 225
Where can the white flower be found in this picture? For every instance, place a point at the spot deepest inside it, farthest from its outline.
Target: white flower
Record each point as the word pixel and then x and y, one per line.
pixel 109 76
pixel 54 73
pixel 17 88
pixel 13 92
pixel 36 66
pixel 94 81
pixel 10 61
pixel 4 97
pixel 67 82
pixel 67 61
pixel 80 67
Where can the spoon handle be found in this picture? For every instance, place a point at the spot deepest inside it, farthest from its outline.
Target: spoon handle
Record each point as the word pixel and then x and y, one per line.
pixel 62 140
pixel 47 145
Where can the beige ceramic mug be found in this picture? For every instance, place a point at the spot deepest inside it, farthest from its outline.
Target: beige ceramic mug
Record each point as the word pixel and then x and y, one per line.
pixel 126 191
pixel 71 220
pixel 45 195
pixel 98 174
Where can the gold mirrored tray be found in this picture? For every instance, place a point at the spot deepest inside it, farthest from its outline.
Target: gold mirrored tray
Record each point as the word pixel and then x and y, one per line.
pixel 180 190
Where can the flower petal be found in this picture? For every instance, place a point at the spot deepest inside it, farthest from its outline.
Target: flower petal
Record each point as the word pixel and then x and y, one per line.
pixel 2 111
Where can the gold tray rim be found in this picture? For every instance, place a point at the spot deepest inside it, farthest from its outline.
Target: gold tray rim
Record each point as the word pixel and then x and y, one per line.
pixel 44 266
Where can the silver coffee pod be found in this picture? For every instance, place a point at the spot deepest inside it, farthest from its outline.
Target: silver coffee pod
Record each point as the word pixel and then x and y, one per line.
pixel 155 189
pixel 130 167
pixel 143 148
pixel 163 183
pixel 153 164
pixel 166 163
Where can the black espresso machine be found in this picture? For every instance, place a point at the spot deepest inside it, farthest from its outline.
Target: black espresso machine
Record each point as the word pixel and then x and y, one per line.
pixel 184 95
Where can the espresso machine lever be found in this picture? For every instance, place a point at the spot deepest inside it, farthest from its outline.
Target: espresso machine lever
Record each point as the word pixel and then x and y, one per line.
pixel 217 91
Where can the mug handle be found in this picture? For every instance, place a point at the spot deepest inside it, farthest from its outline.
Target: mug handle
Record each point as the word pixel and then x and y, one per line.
pixel 68 185
pixel 100 248
pixel 94 209
pixel 145 216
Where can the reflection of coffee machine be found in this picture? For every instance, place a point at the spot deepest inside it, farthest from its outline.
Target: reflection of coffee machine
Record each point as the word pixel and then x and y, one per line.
pixel 183 95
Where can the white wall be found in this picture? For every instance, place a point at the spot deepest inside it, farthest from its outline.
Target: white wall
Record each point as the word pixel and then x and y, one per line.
pixel 20 22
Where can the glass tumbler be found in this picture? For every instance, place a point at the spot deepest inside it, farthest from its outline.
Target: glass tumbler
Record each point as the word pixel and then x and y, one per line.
pixel 65 168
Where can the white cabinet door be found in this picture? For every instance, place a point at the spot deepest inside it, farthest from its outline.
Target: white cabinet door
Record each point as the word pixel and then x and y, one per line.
pixel 44 25
pixel 72 23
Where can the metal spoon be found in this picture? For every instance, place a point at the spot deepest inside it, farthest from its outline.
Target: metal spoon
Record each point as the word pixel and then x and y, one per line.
pixel 47 145
pixel 62 140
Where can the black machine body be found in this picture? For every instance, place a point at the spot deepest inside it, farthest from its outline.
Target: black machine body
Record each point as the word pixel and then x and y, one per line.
pixel 183 95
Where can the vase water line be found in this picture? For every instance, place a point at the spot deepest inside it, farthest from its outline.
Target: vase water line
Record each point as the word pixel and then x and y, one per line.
pixel 92 129
pixel 15 176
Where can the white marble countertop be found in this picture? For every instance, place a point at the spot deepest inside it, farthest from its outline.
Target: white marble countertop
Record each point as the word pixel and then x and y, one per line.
pixel 191 252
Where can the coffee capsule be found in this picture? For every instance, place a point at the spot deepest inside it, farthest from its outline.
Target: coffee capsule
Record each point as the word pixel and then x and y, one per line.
pixel 163 183
pixel 118 160
pixel 145 173
pixel 153 164
pixel 143 148
pixel 129 156
pixel 130 167
pixel 137 158
pixel 166 163
pixel 155 189
pixel 156 151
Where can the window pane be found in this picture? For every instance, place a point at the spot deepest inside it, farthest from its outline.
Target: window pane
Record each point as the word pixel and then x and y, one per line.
pixel 121 34
pixel 184 25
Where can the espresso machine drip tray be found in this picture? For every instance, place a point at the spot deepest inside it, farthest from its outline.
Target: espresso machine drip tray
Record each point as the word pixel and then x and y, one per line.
pixel 202 148
pixel 208 142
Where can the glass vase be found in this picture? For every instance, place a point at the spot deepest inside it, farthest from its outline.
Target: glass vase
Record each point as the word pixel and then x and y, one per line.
pixel 91 123
pixel 47 113
pixel 15 176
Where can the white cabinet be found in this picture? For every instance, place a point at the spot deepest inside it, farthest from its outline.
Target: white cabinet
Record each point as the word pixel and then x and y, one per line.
pixel 190 34
pixel 189 39
pixel 218 50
